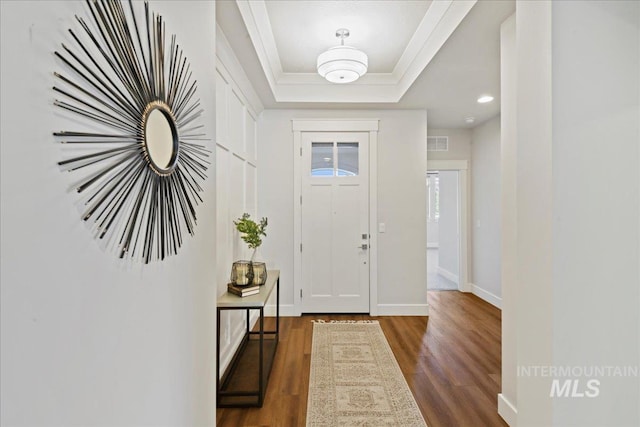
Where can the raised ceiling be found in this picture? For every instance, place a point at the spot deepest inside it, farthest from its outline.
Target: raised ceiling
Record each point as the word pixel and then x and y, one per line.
pixel 439 56
pixel 272 24
pixel 302 30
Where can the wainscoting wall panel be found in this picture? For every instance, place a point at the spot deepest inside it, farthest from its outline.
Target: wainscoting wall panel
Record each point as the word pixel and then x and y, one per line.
pixel 236 169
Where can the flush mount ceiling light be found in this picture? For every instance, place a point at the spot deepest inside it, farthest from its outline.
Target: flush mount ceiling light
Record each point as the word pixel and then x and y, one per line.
pixel 484 99
pixel 342 64
pixel 469 119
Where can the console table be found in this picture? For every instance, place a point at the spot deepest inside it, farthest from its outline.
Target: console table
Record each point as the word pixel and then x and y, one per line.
pixel 244 382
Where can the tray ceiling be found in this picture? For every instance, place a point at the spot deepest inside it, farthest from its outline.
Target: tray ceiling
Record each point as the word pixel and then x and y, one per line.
pixel 401 38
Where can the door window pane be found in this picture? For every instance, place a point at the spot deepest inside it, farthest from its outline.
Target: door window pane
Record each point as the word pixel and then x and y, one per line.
pixel 347 159
pixel 322 159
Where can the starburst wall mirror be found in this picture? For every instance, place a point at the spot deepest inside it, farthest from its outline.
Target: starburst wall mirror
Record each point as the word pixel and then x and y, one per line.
pixel 143 159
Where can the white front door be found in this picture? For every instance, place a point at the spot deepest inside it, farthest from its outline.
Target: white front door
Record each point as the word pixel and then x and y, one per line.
pixel 335 222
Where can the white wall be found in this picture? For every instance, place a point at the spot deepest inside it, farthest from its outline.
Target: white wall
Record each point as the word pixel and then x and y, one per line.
pixel 459 144
pixel 236 171
pixel 88 339
pixel 507 399
pixel 485 210
pixel 534 209
pixel 449 241
pixel 401 175
pixel 432 234
pixel 575 303
pixel 596 276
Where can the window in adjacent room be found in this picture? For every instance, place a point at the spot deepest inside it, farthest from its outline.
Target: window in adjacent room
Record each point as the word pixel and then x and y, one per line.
pixel 433 191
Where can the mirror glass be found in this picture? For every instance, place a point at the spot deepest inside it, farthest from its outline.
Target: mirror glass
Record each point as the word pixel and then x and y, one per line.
pixel 159 137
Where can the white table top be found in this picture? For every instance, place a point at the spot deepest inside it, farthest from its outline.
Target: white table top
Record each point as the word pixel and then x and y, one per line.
pixel 229 300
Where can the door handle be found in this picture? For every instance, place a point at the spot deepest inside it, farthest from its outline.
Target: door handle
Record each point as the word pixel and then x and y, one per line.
pixel 364 247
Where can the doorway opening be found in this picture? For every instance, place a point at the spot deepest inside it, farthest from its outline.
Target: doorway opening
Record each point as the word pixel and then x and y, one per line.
pixel 446 187
pixel 442 231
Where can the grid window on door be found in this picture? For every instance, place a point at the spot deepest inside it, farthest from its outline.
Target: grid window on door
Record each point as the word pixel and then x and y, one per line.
pixel 334 159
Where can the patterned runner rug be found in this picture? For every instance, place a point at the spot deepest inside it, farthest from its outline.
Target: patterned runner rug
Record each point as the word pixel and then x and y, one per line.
pixel 355 380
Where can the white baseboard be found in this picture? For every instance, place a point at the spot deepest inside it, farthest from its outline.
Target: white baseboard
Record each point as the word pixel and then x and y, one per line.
pixel 465 287
pixel 507 411
pixel 448 275
pixel 486 295
pixel 286 310
pixel 403 309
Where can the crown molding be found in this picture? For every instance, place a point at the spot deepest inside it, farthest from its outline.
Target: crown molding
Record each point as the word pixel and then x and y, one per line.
pixel 439 22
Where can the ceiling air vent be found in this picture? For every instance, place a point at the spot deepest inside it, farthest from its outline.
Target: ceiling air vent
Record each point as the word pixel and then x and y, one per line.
pixel 437 143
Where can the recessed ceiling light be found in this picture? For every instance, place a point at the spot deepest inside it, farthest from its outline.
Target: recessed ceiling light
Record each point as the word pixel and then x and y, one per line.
pixel 470 119
pixel 484 99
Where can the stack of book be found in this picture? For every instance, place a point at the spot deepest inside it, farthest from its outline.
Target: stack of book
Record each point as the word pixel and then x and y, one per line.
pixel 243 291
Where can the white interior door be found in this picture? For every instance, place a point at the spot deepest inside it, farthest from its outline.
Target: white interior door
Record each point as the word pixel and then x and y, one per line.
pixel 335 222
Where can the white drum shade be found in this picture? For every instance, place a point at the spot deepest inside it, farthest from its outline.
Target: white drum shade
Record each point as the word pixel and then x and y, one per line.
pixel 342 64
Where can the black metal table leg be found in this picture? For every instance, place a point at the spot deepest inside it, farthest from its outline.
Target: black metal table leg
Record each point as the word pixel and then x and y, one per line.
pixel 218 356
pixel 234 394
pixel 261 367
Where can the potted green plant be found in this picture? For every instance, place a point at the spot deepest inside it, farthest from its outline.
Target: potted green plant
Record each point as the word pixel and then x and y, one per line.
pixel 251 232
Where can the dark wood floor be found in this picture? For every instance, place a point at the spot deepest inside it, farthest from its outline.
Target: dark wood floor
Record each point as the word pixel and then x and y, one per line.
pixel 451 361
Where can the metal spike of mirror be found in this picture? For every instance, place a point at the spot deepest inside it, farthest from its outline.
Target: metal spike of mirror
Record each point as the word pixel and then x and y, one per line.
pixel 143 164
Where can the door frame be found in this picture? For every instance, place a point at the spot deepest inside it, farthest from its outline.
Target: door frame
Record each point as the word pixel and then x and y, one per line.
pixel 335 125
pixel 462 166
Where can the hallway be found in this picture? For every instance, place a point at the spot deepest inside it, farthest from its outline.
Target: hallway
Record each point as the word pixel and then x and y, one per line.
pixel 435 280
pixel 451 361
